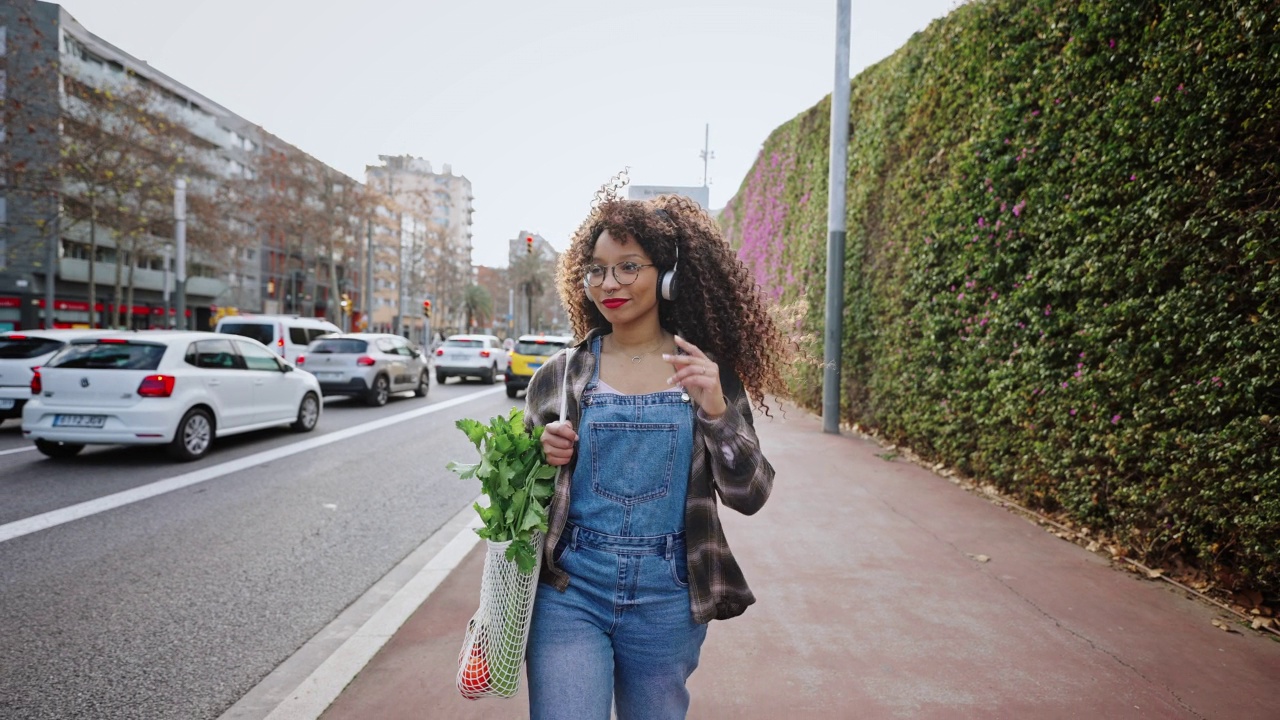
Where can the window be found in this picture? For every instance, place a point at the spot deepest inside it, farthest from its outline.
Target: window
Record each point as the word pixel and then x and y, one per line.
pixel 109 356
pixel 258 331
pixel 258 358
pixel 23 348
pixel 4 44
pixel 298 336
pixel 339 346
pixel 214 354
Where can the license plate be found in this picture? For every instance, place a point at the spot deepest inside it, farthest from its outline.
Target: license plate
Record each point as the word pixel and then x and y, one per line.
pixel 6 403
pixel 84 421
pixel 534 366
pixel 328 376
pixel 457 356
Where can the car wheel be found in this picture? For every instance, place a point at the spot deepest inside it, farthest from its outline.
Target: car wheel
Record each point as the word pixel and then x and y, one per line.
pixel 381 391
pixel 424 384
pixel 308 413
pixel 511 392
pixel 58 449
pixel 441 377
pixel 491 375
pixel 194 436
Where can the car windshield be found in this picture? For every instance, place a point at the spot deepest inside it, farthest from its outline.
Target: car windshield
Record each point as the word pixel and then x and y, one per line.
pixel 258 331
pixel 541 348
pixel 464 343
pixel 338 345
pixel 108 356
pixel 24 348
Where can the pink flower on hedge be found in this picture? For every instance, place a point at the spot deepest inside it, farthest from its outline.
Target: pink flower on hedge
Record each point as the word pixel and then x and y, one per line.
pixel 1073 411
pixel 1112 43
pixel 1048 310
pixel 1156 99
pixel 1133 177
pixel 1064 385
pixel 1017 209
pixel 1115 419
pixel 982 222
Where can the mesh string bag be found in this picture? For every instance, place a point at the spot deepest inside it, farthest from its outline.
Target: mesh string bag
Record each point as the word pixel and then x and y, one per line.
pixel 492 655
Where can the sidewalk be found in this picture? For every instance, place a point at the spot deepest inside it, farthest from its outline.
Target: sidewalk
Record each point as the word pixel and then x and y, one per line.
pixel 870 604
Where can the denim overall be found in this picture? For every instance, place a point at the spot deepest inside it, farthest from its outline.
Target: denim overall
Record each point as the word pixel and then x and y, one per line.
pixel 623 627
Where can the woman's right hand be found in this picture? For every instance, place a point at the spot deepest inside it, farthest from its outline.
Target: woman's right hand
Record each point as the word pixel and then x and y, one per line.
pixel 558 439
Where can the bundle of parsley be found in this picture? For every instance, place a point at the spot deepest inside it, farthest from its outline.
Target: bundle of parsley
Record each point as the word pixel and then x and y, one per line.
pixel 515 476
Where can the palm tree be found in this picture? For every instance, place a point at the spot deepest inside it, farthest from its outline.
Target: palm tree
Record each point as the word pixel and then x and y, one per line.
pixel 479 305
pixel 531 275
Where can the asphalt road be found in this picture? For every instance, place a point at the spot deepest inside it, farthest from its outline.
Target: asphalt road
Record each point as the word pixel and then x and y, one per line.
pixel 177 605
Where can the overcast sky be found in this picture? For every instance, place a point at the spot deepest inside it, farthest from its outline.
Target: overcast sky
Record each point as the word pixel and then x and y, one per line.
pixel 537 102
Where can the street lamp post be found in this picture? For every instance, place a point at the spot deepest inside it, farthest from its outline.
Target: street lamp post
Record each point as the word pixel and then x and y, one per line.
pixel 180 238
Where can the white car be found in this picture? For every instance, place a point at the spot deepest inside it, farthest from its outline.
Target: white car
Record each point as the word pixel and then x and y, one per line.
pixel 174 388
pixel 287 335
pixel 21 352
pixel 367 365
pixel 478 356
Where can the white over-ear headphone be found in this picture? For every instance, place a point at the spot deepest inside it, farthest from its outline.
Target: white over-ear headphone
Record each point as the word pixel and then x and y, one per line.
pixel 667 283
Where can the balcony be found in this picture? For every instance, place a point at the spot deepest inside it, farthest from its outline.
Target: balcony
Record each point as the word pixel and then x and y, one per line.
pixel 74 270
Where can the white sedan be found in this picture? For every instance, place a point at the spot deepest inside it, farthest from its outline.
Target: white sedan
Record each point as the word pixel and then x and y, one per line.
pixel 174 388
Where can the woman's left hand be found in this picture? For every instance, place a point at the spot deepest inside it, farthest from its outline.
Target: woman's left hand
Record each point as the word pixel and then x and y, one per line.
pixel 699 377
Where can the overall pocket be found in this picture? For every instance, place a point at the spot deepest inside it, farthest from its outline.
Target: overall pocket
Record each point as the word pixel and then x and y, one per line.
pixel 631 462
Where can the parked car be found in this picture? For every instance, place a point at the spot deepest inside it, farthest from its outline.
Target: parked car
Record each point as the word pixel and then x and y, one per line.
pixel 367 365
pixel 477 356
pixel 174 388
pixel 528 354
pixel 21 352
pixel 287 335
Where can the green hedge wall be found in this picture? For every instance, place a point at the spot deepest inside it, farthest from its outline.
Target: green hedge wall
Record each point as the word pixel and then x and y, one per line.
pixel 1062 271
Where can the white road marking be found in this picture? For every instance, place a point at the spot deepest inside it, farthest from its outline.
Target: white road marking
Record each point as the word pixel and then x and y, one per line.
pixel 17 450
pixel 36 523
pixel 305 685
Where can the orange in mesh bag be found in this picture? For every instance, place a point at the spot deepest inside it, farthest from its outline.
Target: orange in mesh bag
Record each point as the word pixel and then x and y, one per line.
pixel 493 650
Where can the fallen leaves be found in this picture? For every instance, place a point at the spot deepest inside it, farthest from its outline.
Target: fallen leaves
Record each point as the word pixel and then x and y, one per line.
pixel 979 558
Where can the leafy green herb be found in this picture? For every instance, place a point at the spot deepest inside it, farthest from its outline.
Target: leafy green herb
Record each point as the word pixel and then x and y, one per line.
pixel 514 474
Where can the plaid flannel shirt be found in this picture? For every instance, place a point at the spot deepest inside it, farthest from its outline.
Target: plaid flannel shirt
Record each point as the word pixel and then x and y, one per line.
pixel 729 464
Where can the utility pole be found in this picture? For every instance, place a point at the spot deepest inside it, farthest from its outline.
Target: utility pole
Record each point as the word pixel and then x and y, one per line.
pixel 836 225
pixel 168 281
pixel 368 274
pixel 706 153
pixel 180 236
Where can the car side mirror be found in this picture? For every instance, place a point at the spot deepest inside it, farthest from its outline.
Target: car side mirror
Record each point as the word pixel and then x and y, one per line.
pixel 285 367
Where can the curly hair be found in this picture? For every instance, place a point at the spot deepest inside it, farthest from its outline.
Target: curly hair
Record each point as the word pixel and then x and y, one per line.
pixel 718 308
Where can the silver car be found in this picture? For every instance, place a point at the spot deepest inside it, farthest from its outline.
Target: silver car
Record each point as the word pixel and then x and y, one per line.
pixel 367 365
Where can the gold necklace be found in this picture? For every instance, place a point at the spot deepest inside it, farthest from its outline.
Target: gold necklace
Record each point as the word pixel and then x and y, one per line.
pixel 635 359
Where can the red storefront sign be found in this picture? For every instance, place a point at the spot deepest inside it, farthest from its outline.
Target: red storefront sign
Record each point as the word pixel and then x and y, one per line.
pixel 10 302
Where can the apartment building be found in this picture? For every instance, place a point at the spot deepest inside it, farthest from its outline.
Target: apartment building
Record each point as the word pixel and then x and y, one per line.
pixel 425 251
pixel 88 239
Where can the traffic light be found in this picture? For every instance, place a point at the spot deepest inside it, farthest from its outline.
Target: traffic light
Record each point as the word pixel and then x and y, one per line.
pixel 528 244
pixel 426 308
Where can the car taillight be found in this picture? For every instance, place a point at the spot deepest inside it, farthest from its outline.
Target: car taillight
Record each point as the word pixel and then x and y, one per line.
pixel 36 385
pixel 484 353
pixel 301 359
pixel 156 386
pixel 364 360
pixel 439 352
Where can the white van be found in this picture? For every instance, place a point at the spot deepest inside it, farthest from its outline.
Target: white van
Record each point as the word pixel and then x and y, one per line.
pixel 287 335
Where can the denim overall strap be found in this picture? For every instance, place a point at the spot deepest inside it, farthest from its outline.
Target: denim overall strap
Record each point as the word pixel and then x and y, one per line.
pixel 634 457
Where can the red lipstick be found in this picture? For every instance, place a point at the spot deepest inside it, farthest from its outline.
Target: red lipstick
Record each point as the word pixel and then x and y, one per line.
pixel 614 303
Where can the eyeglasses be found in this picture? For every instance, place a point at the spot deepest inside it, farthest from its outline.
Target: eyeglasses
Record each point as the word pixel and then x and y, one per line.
pixel 624 272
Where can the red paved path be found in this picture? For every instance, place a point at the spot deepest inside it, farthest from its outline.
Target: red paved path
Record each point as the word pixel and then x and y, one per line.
pixel 870 606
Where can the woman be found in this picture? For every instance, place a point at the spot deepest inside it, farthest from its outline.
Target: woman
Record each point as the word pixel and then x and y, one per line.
pixel 674 338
